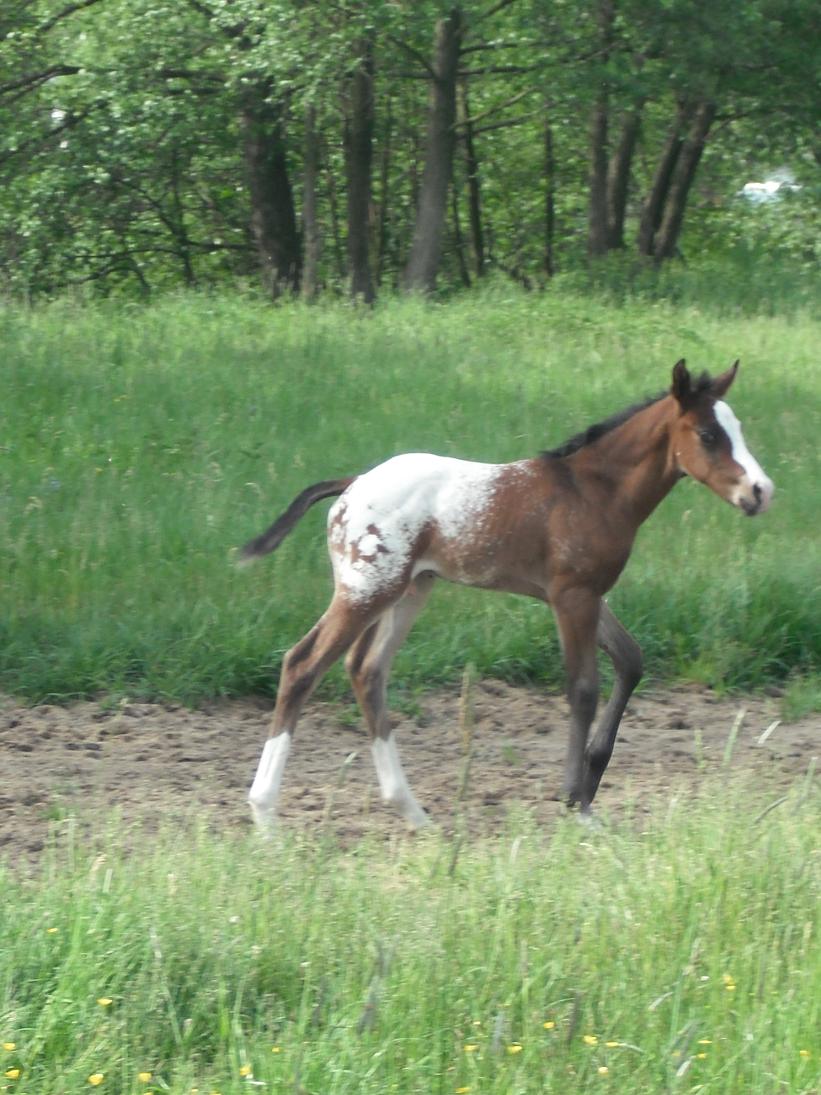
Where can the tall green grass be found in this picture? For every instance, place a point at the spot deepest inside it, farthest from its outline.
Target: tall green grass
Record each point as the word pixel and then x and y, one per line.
pixel 678 952
pixel 140 444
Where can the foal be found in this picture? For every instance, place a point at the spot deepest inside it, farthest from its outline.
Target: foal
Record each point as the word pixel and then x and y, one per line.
pixel 558 527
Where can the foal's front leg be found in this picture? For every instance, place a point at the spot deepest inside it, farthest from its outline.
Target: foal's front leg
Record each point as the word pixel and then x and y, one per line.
pixel 625 654
pixel 577 615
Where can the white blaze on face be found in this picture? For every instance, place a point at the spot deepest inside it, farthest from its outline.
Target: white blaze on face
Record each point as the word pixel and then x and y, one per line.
pixel 754 476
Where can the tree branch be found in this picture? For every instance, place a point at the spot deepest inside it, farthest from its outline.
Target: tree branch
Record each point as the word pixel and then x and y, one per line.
pixel 64 14
pixel 26 83
pixel 494 9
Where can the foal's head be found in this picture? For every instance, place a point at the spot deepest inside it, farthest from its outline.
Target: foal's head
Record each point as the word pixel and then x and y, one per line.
pixel 708 445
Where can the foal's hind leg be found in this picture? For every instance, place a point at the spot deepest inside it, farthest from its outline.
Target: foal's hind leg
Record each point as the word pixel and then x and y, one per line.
pixel 625 654
pixel 302 669
pixel 368 664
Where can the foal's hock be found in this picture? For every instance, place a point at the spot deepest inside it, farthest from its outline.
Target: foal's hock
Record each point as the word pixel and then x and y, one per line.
pixel 559 526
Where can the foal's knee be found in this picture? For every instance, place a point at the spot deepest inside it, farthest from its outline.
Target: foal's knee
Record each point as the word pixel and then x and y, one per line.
pixel 584 695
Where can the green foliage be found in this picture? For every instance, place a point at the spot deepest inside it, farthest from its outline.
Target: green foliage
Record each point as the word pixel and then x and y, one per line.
pixel 675 951
pixel 121 152
pixel 143 444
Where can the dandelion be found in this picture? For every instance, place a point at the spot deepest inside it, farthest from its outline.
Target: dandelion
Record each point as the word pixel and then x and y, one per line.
pixel 590 1039
pixel 52 931
pixel 12 1074
pixel 275 1049
pixel 514 1048
pixel 729 982
pixel 612 1045
pixel 803 1053
pixel 9 1046
pixel 104 1001
pixel 701 1056
pixel 144 1077
pixel 549 1025
pixel 705 1041
pixel 96 1078
pixel 462 1090
pixel 245 1070
pixel 471 1048
pixel 603 1070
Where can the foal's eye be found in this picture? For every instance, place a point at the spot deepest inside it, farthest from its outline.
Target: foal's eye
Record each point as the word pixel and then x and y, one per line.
pixel 709 438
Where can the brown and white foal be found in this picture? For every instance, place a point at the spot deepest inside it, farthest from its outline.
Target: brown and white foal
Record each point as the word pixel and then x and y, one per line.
pixel 558 527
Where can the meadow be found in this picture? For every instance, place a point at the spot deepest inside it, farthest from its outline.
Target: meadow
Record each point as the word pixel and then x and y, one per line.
pixel 673 952
pixel 675 949
pixel 143 443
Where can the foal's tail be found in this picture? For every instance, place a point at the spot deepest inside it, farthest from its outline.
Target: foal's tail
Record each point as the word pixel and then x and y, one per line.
pixel 272 537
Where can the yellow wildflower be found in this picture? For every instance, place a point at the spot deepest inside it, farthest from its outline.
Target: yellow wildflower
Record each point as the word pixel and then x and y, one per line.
pixel 803 1053
pixel 51 931
pixel 245 1070
pixel 462 1090
pixel 9 1046
pixel 700 1056
pixel 549 1025
pixel 603 1070
pixel 96 1078
pixel 104 1001
pixel 514 1048
pixel 471 1048
pixel 144 1077
pixel 612 1045
pixel 705 1041
pixel 275 1049
pixel 12 1074
pixel 590 1039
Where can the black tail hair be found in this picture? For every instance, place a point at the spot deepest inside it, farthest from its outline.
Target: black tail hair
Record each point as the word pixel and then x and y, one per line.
pixel 272 537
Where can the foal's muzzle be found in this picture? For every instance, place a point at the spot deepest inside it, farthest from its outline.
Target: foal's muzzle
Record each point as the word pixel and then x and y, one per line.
pixel 758 499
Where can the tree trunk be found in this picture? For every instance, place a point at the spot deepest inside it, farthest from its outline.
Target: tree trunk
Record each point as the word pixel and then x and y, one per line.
pixel 673 216
pixel 426 248
pixel 654 202
pixel 549 200
pixel 618 177
pixel 358 142
pixel 384 193
pixel 474 189
pixel 273 219
pixel 310 224
pixel 458 240
pixel 597 210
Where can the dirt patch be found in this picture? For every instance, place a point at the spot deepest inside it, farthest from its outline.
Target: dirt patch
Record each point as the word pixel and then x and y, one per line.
pixel 155 763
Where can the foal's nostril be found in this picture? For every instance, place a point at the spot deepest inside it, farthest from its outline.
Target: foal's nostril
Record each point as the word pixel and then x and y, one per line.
pixel 758 492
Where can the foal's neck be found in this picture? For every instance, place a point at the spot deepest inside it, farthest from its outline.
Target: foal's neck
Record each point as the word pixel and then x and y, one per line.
pixel 633 461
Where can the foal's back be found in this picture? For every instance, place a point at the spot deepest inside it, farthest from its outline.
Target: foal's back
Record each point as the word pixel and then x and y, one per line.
pixel 473 523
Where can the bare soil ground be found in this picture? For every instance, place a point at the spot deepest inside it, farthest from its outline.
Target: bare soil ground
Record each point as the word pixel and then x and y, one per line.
pixel 154 764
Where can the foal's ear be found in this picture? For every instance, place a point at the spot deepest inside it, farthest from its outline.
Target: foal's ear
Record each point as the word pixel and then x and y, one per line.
pixel 681 381
pixel 722 383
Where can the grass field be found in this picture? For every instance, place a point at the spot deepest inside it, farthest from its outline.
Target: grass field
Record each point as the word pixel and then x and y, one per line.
pixel 675 953
pixel 141 444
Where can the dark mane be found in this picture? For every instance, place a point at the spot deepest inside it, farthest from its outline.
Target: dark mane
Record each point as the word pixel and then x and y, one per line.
pixel 599 429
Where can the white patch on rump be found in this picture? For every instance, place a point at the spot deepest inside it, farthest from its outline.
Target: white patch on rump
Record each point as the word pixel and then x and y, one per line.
pixel 754 475
pixel 375 524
